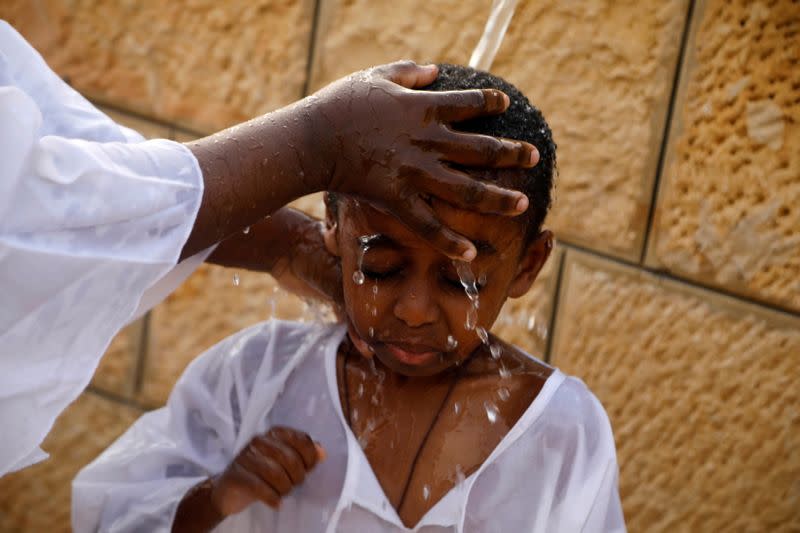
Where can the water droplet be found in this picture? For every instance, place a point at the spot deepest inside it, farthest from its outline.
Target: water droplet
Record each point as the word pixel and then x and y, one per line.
pixel 426 492
pixel 457 407
pixel 246 230
pixel 371 331
pixel 505 373
pixel 452 343
pixel 360 391
pixel 495 350
pixel 531 323
pixel 460 477
pixel 491 411
pixel 354 416
pixel 503 394
pixel 236 280
pixel 375 290
pixel 482 334
pixel 482 279
pixel 358 277
pixel 472 319
pixel 374 311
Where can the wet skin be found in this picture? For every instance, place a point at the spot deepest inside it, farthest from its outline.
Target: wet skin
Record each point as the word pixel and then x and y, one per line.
pixel 402 405
pixel 368 135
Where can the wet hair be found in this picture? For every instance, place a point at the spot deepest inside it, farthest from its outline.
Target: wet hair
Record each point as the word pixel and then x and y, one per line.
pixel 521 121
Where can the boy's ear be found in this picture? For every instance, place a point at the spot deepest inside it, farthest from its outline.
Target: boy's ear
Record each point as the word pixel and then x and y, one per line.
pixel 533 259
pixel 331 234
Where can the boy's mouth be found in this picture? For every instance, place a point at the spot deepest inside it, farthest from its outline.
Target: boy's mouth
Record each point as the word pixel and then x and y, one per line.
pixel 415 355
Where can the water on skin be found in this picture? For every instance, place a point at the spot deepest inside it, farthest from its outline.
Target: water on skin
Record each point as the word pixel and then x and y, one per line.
pixel 491 411
pixel 452 343
pixel 426 492
pixel 358 275
pixel 467 279
pixel 236 280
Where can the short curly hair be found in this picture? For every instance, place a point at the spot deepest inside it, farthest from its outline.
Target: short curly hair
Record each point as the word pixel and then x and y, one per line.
pixel 521 121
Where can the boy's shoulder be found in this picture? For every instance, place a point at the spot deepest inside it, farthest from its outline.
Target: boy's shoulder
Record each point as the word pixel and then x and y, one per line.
pixel 268 345
pixel 530 382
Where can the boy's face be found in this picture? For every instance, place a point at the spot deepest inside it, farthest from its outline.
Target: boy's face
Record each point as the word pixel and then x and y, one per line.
pixel 411 299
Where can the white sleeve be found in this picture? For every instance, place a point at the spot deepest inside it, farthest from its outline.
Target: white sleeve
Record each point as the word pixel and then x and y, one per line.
pixel 91 217
pixel 138 482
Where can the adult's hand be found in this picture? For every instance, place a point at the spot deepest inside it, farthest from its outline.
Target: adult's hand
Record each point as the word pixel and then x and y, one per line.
pixel 391 145
pixel 371 135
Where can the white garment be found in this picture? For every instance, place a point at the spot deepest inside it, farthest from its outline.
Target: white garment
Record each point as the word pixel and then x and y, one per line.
pixel 555 471
pixel 91 217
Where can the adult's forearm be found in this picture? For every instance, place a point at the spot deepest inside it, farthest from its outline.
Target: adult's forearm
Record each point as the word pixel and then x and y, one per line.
pixel 253 169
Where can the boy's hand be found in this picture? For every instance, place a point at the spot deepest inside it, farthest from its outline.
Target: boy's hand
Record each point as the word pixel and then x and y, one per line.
pixel 391 145
pixel 265 470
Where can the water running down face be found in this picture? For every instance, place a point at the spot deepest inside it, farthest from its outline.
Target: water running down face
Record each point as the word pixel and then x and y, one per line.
pixel 410 309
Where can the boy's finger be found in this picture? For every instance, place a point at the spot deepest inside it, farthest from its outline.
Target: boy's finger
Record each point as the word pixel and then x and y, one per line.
pixel 321 453
pixel 284 455
pixel 475 150
pixel 419 217
pixel 300 442
pixel 458 106
pixel 466 192
pixel 258 489
pixel 266 468
pixel 409 74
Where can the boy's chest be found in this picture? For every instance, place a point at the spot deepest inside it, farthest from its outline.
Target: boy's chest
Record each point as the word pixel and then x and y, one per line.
pixel 422 441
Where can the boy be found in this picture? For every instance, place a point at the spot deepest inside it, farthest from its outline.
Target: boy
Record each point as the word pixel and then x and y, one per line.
pixel 401 417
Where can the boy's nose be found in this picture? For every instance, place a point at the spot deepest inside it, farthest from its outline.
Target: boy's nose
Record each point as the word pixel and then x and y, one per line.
pixel 415 307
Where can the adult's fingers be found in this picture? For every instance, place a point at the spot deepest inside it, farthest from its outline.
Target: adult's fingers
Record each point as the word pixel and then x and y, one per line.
pixel 466 192
pixel 299 441
pixel 408 74
pixel 419 217
pixel 457 106
pixel 476 150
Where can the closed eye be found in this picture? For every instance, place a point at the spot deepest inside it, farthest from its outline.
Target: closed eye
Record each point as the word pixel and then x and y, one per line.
pixel 380 274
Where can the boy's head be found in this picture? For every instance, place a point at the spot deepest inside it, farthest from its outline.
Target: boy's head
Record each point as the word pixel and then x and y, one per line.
pixel 411 300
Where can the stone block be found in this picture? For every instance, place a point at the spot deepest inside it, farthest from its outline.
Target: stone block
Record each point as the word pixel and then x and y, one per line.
pixel 701 391
pixel 601 72
pixel 38 498
pixel 116 372
pixel 728 210
pixel 203 63
pixel 148 129
pixel 525 321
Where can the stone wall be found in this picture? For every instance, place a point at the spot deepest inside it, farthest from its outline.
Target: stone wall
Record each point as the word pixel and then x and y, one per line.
pixel 674 291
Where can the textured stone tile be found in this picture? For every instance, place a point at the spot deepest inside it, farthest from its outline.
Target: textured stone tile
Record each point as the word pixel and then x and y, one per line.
pixel 701 391
pixel 727 212
pixel 205 63
pixel 148 129
pixel 38 499
pixel 601 71
pixel 525 321
pixel 117 368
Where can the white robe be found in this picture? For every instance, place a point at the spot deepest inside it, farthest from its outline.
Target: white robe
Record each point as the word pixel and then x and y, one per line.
pixel 91 217
pixel 555 471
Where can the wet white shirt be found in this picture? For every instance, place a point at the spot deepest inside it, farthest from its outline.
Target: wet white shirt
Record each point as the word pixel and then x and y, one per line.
pixel 555 471
pixel 92 216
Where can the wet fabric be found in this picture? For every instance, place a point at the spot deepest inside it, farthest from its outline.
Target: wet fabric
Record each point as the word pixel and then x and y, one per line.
pixel 92 216
pixel 555 471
